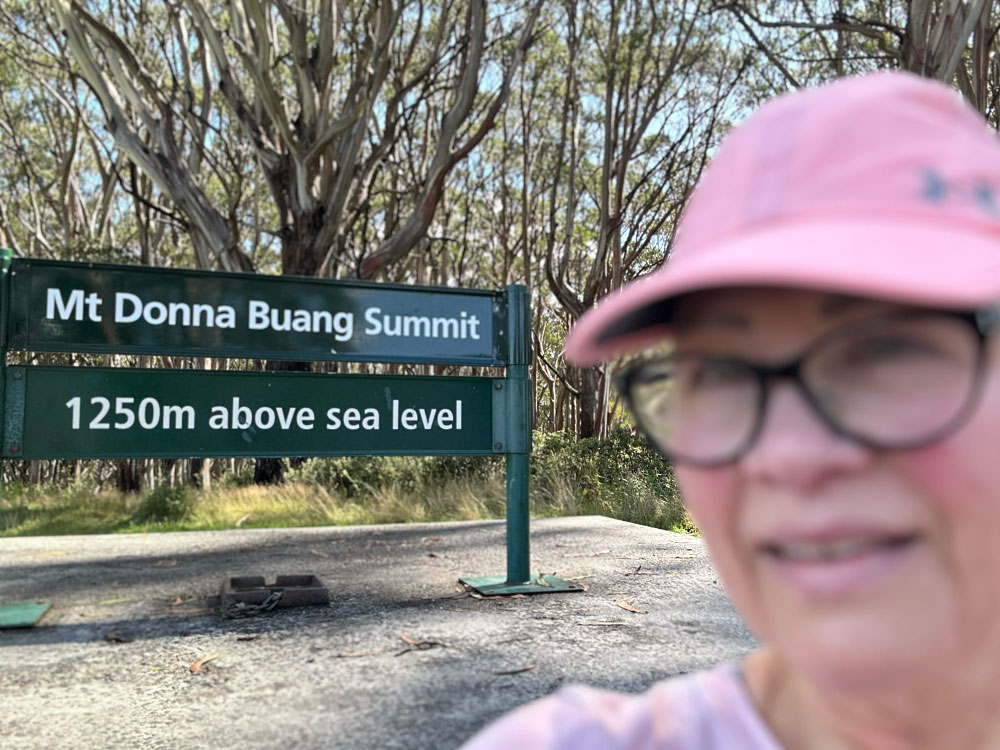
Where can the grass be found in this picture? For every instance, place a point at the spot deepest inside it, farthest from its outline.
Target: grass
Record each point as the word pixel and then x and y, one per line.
pixel 618 477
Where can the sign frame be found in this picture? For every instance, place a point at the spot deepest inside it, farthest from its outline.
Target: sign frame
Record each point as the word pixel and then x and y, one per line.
pixel 186 434
pixel 511 402
pixel 21 327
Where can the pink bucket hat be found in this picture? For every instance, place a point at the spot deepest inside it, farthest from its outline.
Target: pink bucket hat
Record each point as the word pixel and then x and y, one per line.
pixel 885 185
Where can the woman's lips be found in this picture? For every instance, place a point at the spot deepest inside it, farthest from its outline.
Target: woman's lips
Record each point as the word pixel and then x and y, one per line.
pixel 828 565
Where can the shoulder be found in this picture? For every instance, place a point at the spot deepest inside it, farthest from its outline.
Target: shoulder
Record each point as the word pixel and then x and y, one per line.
pixel 708 710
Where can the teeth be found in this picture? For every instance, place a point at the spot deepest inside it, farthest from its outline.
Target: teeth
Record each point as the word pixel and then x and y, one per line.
pixel 825 551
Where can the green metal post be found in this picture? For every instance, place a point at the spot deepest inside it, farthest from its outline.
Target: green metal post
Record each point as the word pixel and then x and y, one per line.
pixel 518 446
pixel 6 257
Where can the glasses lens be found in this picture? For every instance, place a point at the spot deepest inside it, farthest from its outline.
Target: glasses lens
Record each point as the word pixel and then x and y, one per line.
pixel 695 408
pixel 896 382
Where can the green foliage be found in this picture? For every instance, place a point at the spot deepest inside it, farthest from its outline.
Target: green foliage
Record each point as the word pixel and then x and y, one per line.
pixel 619 477
pixel 356 476
pixel 165 504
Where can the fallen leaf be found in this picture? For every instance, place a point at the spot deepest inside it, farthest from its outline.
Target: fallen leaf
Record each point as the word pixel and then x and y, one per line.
pixel 199 666
pixel 416 645
pixel 639 572
pixel 355 654
pixel 516 671
pixel 115 638
pixel 117 601
pixel 181 599
pixel 246 638
pixel 629 607
pixel 431 539
pixel 165 564
pixel 431 554
pixel 193 611
pixel 607 623
pixel 317 553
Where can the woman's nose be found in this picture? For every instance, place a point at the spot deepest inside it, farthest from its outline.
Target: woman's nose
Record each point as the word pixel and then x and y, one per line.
pixel 795 448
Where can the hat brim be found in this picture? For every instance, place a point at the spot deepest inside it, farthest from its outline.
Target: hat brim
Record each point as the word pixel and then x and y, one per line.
pixel 913 262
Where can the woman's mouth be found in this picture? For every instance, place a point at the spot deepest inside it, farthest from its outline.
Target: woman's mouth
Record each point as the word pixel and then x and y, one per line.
pixel 837 566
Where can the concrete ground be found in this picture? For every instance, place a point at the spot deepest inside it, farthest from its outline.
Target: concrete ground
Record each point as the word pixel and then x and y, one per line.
pixel 395 661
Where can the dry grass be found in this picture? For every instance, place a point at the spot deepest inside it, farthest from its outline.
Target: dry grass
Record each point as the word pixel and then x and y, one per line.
pixel 297 504
pixel 617 477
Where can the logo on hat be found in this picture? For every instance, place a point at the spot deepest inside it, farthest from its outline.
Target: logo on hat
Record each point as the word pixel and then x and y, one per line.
pixel 939 190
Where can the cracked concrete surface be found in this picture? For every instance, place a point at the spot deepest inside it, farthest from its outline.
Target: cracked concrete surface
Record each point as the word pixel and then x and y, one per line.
pixel 335 677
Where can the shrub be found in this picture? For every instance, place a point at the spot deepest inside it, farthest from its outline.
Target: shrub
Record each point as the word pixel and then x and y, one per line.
pixel 165 504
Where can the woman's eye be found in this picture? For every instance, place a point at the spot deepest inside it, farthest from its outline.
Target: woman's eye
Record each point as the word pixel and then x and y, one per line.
pixel 715 374
pixel 890 349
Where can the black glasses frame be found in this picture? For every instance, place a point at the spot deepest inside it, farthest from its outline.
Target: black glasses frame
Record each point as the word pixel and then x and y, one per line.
pixel 983 322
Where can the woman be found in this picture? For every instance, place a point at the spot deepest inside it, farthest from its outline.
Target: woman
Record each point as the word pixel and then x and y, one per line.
pixel 830 399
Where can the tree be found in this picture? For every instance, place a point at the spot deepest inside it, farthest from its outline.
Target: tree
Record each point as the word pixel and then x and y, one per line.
pixel 955 41
pixel 323 96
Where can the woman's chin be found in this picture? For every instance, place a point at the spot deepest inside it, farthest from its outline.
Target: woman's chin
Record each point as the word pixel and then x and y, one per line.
pixel 844 657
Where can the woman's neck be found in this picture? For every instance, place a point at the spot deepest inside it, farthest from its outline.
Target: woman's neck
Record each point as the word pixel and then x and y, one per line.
pixel 952 710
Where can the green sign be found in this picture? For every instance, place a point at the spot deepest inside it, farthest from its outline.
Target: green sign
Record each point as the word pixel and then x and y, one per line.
pixel 100 413
pixel 58 306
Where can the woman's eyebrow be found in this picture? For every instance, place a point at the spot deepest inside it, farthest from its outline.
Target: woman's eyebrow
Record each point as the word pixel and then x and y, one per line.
pixel 834 304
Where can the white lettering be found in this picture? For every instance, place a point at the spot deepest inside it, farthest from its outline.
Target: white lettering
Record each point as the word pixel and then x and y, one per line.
pixel 445 328
pixel 155 313
pixel 305 419
pixel 258 315
pixel 121 298
pixel 421 326
pixel 374 327
pixel 333 418
pixel 264 413
pixel 184 310
pixel 71 308
pixel 242 416
pixel 219 420
pixel 343 324
pixel 225 317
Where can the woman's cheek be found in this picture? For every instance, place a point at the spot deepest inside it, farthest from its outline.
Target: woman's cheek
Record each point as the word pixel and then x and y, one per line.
pixel 712 497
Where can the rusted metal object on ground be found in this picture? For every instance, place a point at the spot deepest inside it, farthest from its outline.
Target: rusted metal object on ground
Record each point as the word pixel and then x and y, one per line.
pixel 243 596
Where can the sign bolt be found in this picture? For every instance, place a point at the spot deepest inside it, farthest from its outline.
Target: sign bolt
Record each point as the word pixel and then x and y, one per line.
pixel 17 375
pixel 499 386
pixel 498 446
pixel 16 447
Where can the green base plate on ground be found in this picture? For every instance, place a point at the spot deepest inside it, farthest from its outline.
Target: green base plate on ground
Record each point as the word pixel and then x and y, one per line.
pixel 540 584
pixel 22 614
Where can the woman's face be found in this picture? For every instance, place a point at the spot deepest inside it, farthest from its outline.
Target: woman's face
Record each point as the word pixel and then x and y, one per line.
pixel 861 567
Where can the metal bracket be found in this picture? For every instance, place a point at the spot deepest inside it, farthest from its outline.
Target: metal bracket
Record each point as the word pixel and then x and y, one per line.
pixel 499 586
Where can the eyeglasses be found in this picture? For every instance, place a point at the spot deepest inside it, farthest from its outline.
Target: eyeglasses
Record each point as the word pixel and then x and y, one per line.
pixel 891 382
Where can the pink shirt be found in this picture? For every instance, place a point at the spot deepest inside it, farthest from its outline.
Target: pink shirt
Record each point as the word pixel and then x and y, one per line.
pixel 708 710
